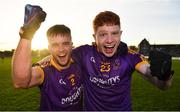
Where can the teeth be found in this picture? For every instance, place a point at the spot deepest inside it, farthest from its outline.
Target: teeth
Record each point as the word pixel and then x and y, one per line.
pixel 62 54
pixel 109 46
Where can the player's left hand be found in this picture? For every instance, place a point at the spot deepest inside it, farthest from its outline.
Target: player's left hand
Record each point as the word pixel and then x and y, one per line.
pixel 160 65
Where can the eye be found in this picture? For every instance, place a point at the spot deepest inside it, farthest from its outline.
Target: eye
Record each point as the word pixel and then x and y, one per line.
pixel 115 33
pixel 55 45
pixel 103 34
pixel 66 43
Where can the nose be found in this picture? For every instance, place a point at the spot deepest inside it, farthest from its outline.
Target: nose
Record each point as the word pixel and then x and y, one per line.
pixel 60 47
pixel 109 39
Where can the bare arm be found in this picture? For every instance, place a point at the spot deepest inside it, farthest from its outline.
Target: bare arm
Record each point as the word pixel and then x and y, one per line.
pixel 23 74
pixel 145 71
pixel 21 64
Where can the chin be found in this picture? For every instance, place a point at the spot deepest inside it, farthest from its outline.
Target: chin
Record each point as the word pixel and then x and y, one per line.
pixel 108 55
pixel 63 64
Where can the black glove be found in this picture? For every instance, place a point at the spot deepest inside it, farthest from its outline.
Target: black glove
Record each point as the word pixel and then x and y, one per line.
pixel 160 65
pixel 33 17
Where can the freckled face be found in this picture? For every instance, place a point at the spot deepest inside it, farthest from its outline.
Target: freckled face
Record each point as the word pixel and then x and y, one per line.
pixel 107 39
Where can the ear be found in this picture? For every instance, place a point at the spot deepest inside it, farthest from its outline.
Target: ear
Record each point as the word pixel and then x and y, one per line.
pixel 49 48
pixel 72 45
pixel 121 32
pixel 94 36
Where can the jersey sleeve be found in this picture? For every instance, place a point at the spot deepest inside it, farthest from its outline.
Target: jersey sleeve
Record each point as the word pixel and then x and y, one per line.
pixel 79 53
pixel 40 69
pixel 137 59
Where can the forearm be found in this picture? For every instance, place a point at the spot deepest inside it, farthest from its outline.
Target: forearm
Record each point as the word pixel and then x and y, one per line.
pixel 161 84
pixel 21 64
pixel 146 73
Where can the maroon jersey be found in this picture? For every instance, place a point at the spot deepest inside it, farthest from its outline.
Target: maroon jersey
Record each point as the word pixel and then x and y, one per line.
pixel 61 88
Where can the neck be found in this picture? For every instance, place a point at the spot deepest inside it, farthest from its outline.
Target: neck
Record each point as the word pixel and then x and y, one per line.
pixel 60 67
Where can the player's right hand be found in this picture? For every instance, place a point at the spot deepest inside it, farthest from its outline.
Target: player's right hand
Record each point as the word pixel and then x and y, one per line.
pixel 44 61
pixel 34 16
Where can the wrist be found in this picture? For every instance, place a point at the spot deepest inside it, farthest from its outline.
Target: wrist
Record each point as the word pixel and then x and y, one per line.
pixel 170 76
pixel 25 34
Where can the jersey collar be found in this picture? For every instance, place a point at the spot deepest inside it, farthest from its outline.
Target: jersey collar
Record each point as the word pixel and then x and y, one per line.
pixel 57 66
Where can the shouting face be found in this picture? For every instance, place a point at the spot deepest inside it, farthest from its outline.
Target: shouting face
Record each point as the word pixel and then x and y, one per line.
pixel 60 47
pixel 107 39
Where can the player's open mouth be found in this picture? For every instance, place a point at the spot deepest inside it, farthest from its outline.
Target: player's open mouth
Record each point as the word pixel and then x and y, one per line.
pixel 109 48
pixel 63 55
pixel 62 58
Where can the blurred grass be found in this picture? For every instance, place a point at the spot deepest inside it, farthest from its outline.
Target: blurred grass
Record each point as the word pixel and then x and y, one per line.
pixel 15 99
pixel 145 97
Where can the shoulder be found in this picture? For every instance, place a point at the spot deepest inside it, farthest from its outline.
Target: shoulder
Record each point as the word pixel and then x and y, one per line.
pixel 132 52
pixel 136 54
pixel 80 53
pixel 84 47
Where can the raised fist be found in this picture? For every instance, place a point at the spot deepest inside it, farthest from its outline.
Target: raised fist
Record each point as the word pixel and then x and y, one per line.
pixel 34 16
pixel 160 65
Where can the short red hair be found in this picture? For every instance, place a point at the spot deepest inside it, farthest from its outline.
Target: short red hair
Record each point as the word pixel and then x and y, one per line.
pixel 106 18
